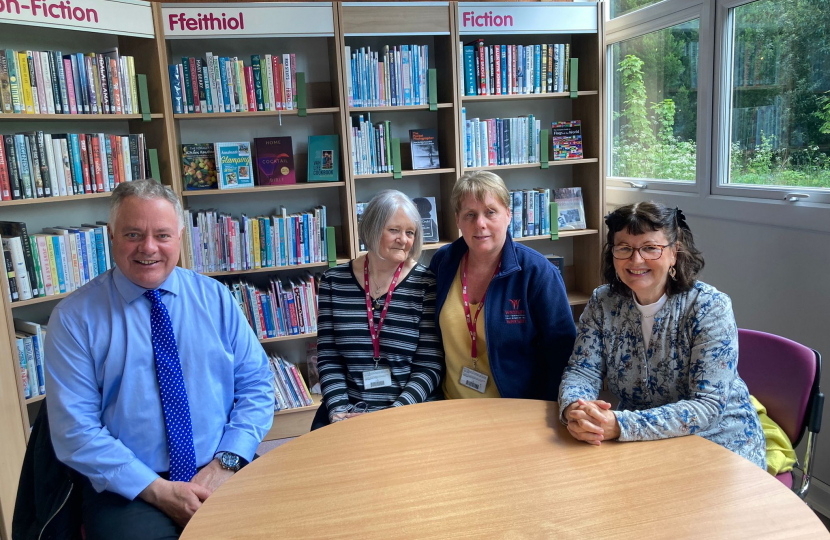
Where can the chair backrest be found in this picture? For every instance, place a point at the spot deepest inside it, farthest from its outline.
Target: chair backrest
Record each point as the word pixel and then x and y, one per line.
pixel 780 374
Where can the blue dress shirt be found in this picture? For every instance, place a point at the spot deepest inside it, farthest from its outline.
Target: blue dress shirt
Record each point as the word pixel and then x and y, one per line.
pixel 104 405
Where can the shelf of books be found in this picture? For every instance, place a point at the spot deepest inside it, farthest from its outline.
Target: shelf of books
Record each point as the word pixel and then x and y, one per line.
pixel 258 122
pixel 531 112
pixel 401 107
pixel 81 110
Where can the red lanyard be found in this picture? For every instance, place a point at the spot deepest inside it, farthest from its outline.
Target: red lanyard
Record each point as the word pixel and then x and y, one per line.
pixel 471 321
pixel 375 332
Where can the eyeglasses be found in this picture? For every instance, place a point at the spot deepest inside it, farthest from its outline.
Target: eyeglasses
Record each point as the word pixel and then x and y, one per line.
pixel 648 253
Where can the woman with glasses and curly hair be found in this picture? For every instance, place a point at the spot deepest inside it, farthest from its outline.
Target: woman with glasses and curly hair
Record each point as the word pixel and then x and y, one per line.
pixel 666 343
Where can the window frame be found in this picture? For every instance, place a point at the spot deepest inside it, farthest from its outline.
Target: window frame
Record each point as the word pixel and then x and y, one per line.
pixel 644 21
pixel 722 121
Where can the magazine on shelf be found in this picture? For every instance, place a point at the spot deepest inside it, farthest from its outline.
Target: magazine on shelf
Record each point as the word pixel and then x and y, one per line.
pixel 571 209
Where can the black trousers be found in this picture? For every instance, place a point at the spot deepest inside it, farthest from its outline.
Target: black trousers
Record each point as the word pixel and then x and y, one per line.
pixel 109 516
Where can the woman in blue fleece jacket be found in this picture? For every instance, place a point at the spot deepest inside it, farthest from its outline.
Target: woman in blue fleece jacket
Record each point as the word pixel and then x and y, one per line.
pixel 502 311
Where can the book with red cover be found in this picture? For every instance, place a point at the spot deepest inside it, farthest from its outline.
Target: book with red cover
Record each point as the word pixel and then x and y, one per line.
pixel 5 184
pixel 274 161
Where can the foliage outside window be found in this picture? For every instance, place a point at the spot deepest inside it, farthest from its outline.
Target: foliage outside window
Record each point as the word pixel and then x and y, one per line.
pixel 621 7
pixel 654 104
pixel 780 131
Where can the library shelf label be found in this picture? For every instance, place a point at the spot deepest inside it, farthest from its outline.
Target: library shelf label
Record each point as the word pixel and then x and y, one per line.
pixel 482 18
pixel 208 21
pixel 124 17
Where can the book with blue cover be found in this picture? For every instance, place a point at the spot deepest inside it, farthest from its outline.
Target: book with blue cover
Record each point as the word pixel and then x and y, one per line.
pixel 323 158
pixel 233 165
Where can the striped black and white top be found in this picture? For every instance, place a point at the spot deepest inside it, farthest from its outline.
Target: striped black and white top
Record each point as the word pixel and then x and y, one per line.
pixel 409 344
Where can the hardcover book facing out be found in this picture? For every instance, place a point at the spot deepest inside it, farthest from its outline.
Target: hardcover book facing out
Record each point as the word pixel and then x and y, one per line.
pixel 274 161
pixel 233 164
pixel 567 140
pixel 323 158
pixel 571 209
pixel 424 146
pixel 198 166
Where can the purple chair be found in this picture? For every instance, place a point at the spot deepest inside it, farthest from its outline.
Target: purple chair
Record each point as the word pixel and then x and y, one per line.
pixel 784 376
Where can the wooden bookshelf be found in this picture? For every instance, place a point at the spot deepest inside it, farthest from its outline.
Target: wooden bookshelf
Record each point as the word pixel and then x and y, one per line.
pixel 527 97
pixel 262 189
pixel 254 114
pixel 75 117
pixel 295 337
pixel 354 24
pixel 52 200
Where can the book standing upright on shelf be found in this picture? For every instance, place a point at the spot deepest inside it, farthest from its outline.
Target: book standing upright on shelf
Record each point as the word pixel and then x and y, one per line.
pixel 566 138
pixel 233 164
pixel 429 218
pixel 424 146
pixel 571 208
pixel 198 166
pixel 274 161
pixel 323 158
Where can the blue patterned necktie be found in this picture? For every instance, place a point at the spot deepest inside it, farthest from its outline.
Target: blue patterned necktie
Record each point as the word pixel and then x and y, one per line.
pixel 173 392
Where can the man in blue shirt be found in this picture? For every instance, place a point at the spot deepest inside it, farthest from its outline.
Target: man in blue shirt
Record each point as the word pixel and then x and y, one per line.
pixel 158 388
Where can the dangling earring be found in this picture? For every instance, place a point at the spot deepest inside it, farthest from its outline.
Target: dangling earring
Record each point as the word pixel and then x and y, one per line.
pixel 673 273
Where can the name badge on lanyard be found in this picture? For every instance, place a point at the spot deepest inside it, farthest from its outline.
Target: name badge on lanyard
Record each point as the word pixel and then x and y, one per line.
pixel 471 378
pixel 377 378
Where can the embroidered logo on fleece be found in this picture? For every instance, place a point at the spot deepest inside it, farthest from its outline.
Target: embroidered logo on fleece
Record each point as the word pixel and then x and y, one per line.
pixel 515 315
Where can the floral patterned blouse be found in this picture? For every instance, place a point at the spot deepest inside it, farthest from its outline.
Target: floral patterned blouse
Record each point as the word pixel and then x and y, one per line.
pixel 686 383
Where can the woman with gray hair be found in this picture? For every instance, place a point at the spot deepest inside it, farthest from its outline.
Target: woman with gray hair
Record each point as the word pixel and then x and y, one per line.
pixel 376 340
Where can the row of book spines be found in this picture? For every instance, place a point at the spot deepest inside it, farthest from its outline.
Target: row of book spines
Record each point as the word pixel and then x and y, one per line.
pixel 57 261
pixel 36 164
pixel 48 82
pixel 396 78
pixel 502 141
pixel 286 308
pixel 290 389
pixel 531 212
pixel 515 69
pixel 29 338
pixel 225 84
pixel 227 244
pixel 371 147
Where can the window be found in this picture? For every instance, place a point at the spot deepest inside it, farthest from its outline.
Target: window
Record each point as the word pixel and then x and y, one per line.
pixel 621 7
pixel 779 134
pixel 654 103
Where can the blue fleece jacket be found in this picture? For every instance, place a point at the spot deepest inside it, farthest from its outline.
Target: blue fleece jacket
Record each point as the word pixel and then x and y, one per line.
pixel 528 322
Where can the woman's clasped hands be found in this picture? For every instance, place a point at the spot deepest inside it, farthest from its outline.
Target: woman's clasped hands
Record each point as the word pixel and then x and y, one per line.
pixel 592 421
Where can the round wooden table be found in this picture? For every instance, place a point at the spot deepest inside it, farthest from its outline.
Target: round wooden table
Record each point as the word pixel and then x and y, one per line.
pixel 496 468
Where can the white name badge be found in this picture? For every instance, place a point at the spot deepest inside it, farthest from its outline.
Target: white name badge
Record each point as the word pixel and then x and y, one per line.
pixel 473 379
pixel 377 378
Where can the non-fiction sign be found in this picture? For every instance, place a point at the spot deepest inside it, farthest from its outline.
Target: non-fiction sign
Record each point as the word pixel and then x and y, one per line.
pixel 122 17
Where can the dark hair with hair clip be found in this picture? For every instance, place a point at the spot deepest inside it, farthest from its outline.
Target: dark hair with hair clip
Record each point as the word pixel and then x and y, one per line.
pixel 646 217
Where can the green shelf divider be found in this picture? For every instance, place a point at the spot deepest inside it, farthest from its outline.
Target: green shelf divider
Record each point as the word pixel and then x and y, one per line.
pixel 543 147
pixel 396 158
pixel 331 249
pixel 433 89
pixel 301 95
pixel 143 97
pixel 154 164
pixel 574 86
pixel 554 221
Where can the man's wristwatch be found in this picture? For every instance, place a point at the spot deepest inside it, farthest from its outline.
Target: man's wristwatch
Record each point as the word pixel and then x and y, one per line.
pixel 230 461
